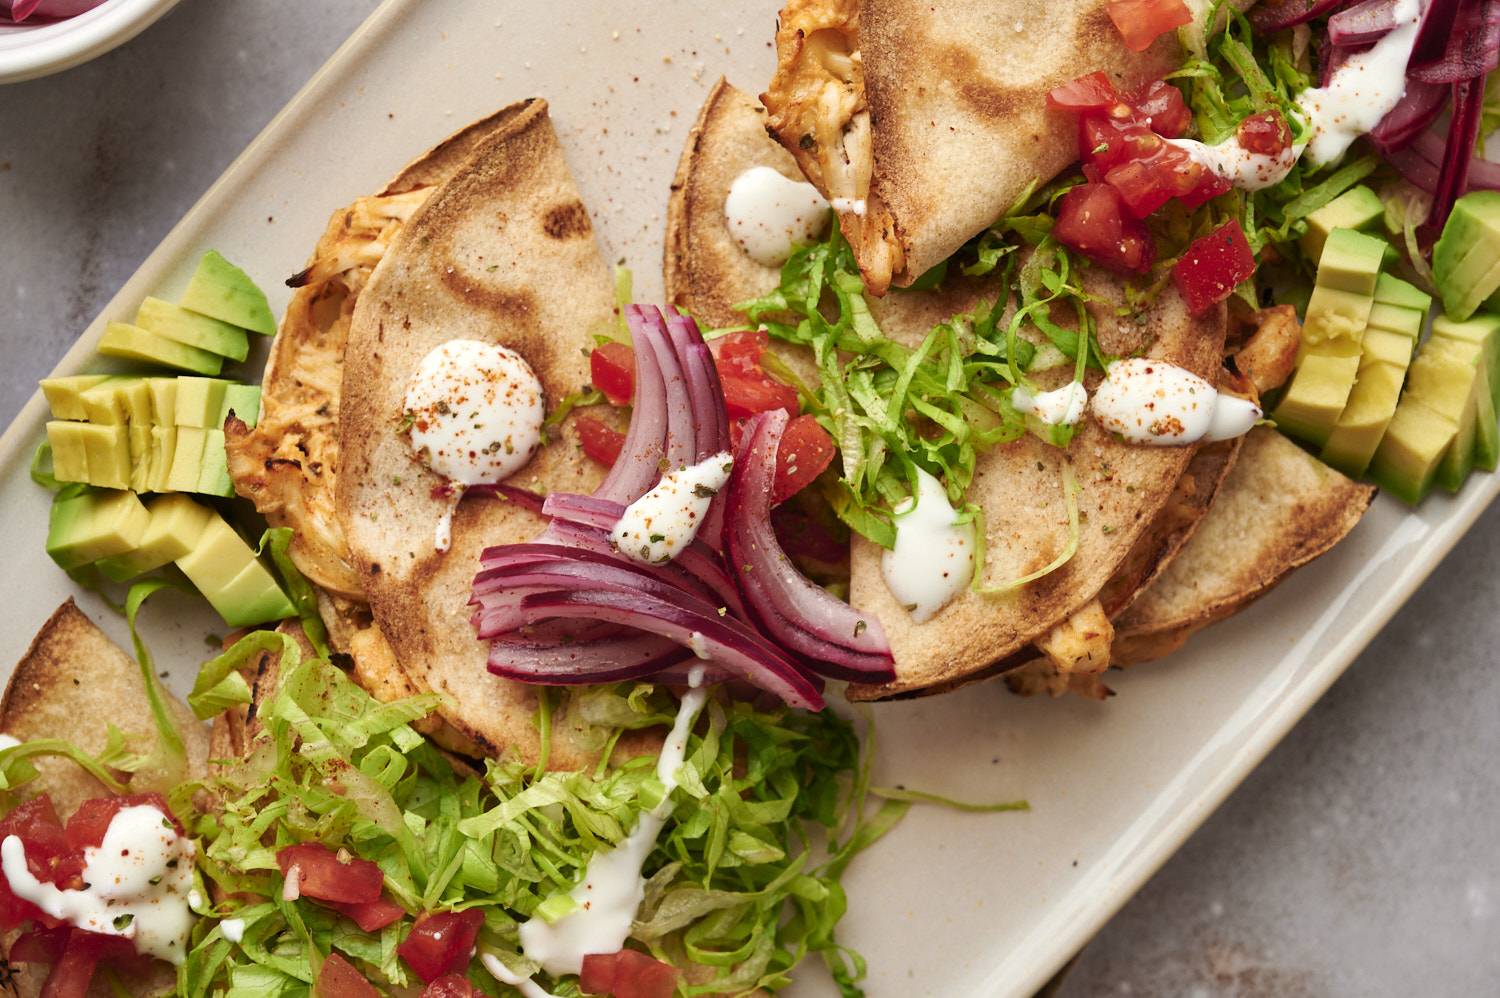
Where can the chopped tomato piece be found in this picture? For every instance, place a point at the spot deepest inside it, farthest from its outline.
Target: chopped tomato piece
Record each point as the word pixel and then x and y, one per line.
pixel 1212 267
pixel 627 974
pixel 1092 92
pixel 1142 22
pixel 1147 184
pixel 39 945
pixel 1091 219
pixel 1162 106
pixel 1266 133
pixel 1210 186
pixel 370 916
pixel 338 979
pixel 1106 143
pixel 600 441
pixel 324 876
pixel 739 353
pixel 48 857
pixel 612 367
pixel 72 974
pixel 450 986
pixel 805 450
pixel 88 824
pixel 440 942
pixel 748 395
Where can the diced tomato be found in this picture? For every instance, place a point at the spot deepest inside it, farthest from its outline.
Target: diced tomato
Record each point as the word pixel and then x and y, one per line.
pixel 1213 266
pixel 1147 184
pixel 1266 133
pixel 35 823
pixel 450 986
pixel 39 945
pixel 88 824
pixel 600 441
pixel 739 353
pixel 72 974
pixel 748 395
pixel 370 916
pixel 612 367
pixel 324 876
pixel 339 979
pixel 1092 92
pixel 1091 219
pixel 1162 106
pixel 440 942
pixel 1105 143
pixel 1142 22
pixel 1210 186
pixel 627 974
pixel 805 450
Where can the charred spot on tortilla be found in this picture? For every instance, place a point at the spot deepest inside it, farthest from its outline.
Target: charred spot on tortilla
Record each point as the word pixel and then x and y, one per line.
pixel 568 221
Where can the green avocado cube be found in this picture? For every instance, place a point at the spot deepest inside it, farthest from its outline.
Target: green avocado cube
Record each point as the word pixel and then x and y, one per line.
pixel 177 323
pixel 1357 208
pixel 1466 257
pixel 187 459
pixel 1334 314
pixel 1317 395
pixel 213 477
pixel 140 458
pixel 1406 462
pixel 94 525
pixel 176 524
pixel 244 402
pixel 1351 261
pixel 121 339
pixel 1372 402
pixel 223 291
pixel 199 401
pixel 70 457
pixel 1392 290
pixel 119 400
pixel 63 394
pixel 1396 319
pixel 108 449
pixel 163 450
pixel 252 598
pixel 1481 329
pixel 217 559
pixel 163 401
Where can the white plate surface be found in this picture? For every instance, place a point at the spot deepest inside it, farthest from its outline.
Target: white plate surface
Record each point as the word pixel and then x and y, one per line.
pixel 948 905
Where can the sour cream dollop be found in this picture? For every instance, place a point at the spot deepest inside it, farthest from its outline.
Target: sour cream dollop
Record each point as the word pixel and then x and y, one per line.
pixel 659 525
pixel 1152 402
pixel 140 881
pixel 767 214
pixel 1060 406
pixel 933 559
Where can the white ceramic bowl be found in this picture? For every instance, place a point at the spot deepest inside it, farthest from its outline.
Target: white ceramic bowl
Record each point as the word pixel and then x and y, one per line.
pixel 31 50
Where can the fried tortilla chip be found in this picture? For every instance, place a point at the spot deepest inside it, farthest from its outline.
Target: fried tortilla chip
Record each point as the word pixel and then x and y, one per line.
pixel 1279 509
pixel 928 121
pixel 501 252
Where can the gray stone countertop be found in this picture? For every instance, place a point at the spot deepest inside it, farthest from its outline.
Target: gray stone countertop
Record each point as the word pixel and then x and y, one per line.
pixel 1360 859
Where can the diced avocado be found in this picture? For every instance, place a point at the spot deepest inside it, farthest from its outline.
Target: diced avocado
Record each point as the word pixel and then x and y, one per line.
pixel 1391 290
pixel 187 460
pixel 1372 402
pixel 1333 314
pixel 121 339
pixel 163 450
pixel 199 401
pixel 108 449
pixel 118 400
pixel 1466 258
pixel 244 402
pixel 252 598
pixel 163 401
pixel 1351 261
pixel 1433 432
pixel 223 291
pixel 177 323
pixel 63 394
pixel 1357 208
pixel 94 525
pixel 1396 319
pixel 1486 431
pixel 1407 459
pixel 1317 395
pixel 1453 376
pixel 176 524
pixel 70 456
pixel 1481 329
pixel 140 458
pixel 213 478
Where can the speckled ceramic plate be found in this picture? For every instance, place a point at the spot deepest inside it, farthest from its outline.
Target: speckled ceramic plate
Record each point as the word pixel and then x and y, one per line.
pixel 948 905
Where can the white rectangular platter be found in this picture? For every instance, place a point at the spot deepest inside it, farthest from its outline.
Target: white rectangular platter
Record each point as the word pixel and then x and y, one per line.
pixel 948 904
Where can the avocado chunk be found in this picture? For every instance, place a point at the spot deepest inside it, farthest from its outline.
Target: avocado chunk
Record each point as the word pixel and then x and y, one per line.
pixel 244 402
pixel 140 458
pixel 223 291
pixel 163 450
pixel 1318 393
pixel 94 525
pixel 176 323
pixel 163 401
pixel 1396 319
pixel 108 449
pixel 187 459
pixel 1467 360
pixel 1392 290
pixel 252 598
pixel 1433 432
pixel 1466 257
pixel 1481 329
pixel 121 339
pixel 227 573
pixel 1357 208
pixel 1351 261
pixel 1407 459
pixel 118 400
pixel 64 394
pixel 1372 402
pixel 1333 314
pixel 199 401
pixel 176 523
pixel 70 456
pixel 213 476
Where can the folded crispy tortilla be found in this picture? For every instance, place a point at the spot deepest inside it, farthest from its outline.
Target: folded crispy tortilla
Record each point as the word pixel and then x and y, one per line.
pixel 928 121
pixel 1278 510
pixel 1135 516
pixel 75 682
pixel 503 252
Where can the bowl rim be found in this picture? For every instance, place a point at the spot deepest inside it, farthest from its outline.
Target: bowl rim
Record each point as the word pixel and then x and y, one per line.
pixel 60 45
